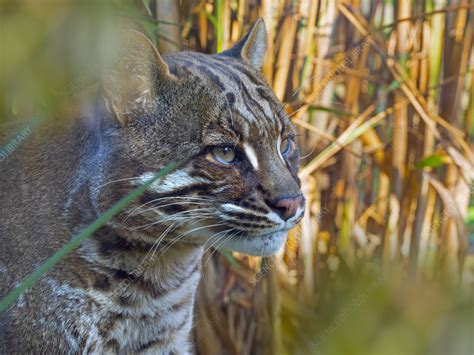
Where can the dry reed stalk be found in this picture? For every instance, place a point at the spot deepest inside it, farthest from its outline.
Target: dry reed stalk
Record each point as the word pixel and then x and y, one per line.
pixel 269 11
pixel 226 24
pixel 326 15
pixel 285 54
pixel 203 24
pixel 424 46
pixel 167 12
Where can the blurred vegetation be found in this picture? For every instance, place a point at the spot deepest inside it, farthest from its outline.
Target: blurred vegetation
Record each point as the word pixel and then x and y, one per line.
pixel 382 93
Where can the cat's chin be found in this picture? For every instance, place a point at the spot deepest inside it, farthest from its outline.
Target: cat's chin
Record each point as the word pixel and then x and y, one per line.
pixel 258 245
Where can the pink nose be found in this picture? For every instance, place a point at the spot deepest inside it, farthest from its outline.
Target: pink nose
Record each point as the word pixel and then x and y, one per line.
pixel 286 207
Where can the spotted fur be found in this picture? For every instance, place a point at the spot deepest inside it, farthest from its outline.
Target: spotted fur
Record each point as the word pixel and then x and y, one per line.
pixel 130 288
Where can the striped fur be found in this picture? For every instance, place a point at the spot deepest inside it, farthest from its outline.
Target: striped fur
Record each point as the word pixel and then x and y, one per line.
pixel 130 288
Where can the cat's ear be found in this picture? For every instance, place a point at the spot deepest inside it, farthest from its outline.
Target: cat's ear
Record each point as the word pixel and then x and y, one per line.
pixel 251 48
pixel 136 73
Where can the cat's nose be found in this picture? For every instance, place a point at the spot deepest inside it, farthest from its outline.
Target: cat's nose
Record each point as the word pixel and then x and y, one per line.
pixel 286 207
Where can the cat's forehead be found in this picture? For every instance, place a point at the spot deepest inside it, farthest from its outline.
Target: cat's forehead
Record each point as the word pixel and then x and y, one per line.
pixel 248 103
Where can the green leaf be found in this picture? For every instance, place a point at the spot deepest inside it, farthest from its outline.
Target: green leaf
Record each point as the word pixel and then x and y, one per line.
pixel 432 161
pixel 211 18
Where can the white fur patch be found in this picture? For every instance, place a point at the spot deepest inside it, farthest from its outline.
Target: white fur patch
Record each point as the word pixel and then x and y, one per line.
pixel 171 182
pixel 252 157
pixel 233 208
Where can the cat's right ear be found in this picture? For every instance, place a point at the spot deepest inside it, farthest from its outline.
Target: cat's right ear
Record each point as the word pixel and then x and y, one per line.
pixel 251 48
pixel 134 76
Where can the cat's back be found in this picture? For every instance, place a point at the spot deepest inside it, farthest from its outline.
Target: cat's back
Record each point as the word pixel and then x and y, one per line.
pixel 36 172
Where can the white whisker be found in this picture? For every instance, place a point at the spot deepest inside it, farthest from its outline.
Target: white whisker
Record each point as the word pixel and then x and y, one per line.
pixel 118 180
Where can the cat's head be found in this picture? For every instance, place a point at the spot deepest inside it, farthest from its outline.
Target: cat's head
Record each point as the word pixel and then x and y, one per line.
pixel 238 185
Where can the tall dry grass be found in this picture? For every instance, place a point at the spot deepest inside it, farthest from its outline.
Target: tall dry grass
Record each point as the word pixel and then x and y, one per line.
pixel 382 94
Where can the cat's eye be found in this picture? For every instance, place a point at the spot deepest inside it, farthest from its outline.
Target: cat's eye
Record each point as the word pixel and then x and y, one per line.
pixel 224 155
pixel 285 146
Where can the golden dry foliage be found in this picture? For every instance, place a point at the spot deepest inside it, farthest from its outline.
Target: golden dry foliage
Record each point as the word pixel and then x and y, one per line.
pixel 382 94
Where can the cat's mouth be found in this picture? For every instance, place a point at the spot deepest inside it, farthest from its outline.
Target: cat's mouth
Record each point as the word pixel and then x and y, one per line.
pixel 243 236
pixel 256 243
pixel 260 242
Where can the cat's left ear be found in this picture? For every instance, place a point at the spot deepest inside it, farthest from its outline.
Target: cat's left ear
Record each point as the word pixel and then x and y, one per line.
pixel 135 76
pixel 251 48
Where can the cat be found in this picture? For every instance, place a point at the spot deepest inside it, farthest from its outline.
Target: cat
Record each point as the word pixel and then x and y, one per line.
pixel 131 286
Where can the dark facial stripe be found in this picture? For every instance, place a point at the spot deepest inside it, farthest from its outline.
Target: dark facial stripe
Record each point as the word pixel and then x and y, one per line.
pixel 252 206
pixel 241 68
pixel 240 225
pixel 200 173
pixel 215 79
pixel 232 75
pixel 226 113
pixel 215 69
pixel 228 72
pixel 246 216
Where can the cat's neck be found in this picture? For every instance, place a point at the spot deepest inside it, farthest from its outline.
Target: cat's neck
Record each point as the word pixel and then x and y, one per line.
pixel 141 272
pixel 147 295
